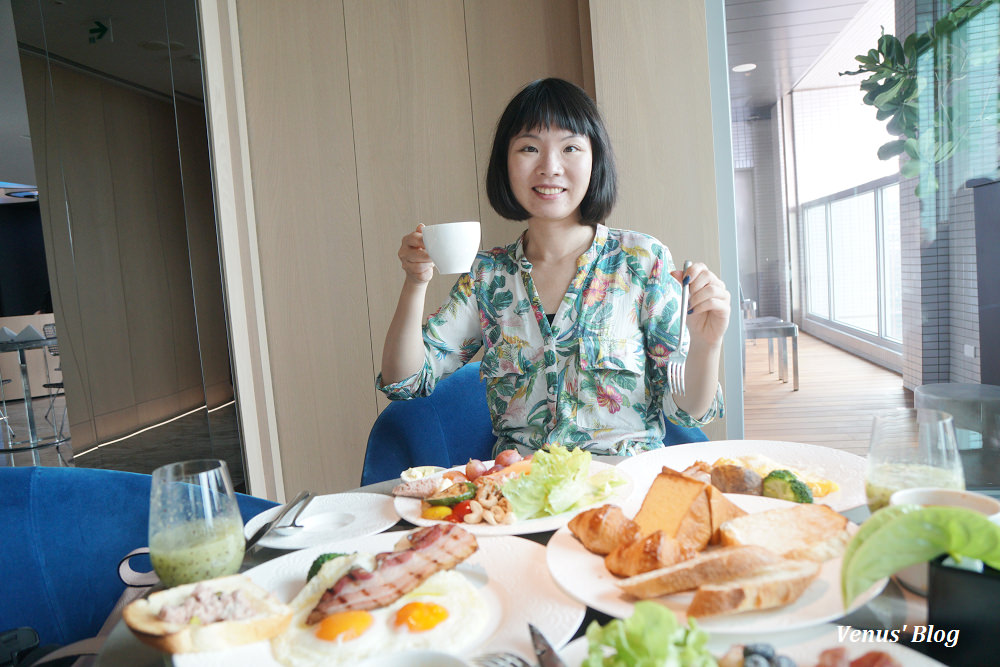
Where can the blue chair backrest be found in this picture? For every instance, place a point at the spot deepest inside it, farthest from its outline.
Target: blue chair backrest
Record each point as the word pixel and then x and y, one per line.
pixel 448 428
pixel 62 533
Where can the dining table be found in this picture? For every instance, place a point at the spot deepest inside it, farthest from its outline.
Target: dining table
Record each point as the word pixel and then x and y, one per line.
pixel 895 607
pixel 33 443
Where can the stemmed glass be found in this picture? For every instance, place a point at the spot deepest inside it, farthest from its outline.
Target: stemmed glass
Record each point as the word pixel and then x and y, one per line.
pixel 195 528
pixel 911 448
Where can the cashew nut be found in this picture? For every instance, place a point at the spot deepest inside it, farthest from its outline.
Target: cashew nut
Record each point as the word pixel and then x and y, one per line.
pixel 488 494
pixel 475 514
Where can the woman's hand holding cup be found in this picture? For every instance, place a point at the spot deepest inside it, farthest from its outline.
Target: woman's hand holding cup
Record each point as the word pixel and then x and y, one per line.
pixel 413 255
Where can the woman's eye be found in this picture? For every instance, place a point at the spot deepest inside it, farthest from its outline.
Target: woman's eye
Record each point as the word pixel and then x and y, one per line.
pixel 572 149
pixel 528 149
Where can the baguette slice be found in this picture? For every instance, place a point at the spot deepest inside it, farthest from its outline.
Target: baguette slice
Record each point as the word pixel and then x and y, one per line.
pixel 810 532
pixel 270 618
pixel 716 565
pixel 775 586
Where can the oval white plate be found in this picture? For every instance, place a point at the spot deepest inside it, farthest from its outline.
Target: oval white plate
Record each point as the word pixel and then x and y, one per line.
pixel 515 592
pixel 582 574
pixel 844 468
pixel 803 647
pixel 409 509
pixel 337 516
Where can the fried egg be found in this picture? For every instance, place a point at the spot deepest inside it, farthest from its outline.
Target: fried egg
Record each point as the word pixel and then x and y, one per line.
pixel 445 612
pixel 762 465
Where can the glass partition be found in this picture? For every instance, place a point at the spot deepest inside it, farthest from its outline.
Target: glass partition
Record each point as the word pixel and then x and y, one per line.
pixel 116 107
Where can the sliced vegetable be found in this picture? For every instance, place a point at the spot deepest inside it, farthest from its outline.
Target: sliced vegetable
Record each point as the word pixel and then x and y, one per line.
pixel 784 485
pixel 458 512
pixel 435 512
pixel 454 494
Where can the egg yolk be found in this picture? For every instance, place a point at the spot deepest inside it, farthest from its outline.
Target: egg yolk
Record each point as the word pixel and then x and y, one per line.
pixel 345 625
pixel 420 616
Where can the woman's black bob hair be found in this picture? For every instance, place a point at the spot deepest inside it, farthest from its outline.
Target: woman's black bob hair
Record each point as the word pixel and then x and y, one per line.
pixel 548 103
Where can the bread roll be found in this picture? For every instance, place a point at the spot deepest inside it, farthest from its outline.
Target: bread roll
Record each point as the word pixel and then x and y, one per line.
pixel 646 553
pixel 811 532
pixel 602 529
pixel 267 616
pixel 707 567
pixel 775 586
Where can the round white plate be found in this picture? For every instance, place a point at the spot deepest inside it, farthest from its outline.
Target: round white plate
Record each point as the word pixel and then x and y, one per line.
pixel 409 509
pixel 515 592
pixel 804 647
pixel 844 468
pixel 338 516
pixel 582 574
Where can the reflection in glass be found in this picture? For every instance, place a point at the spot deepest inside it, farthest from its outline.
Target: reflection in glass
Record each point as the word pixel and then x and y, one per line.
pixel 121 153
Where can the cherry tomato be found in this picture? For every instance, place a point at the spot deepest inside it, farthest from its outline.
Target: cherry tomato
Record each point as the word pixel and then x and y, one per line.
pixel 459 511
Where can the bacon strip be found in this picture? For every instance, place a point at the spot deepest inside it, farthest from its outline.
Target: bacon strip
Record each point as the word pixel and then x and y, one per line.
pixel 396 573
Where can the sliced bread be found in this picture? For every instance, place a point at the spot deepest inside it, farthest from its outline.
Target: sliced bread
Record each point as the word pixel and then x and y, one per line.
pixel 810 532
pixel 715 565
pixel 774 586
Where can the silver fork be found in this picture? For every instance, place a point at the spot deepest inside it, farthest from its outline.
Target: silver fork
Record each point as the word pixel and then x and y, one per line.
pixel 675 367
pixel 500 660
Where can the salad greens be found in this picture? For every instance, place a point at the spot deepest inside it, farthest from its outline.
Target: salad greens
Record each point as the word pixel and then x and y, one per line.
pixel 559 481
pixel 902 535
pixel 651 637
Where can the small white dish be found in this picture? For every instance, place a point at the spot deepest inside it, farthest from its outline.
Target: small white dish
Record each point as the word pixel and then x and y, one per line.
pixel 915 577
pixel 416 659
pixel 333 517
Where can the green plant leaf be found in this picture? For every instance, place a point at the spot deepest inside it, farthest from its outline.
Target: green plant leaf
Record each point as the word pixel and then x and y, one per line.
pixel 911 148
pixel 883 98
pixel 891 149
pixel 910 168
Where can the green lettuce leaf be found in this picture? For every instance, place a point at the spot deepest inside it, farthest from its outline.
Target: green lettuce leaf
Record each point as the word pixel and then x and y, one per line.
pixel 651 637
pixel 559 481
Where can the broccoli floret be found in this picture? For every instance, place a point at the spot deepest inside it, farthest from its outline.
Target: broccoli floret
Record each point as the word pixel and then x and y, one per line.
pixel 318 563
pixel 783 485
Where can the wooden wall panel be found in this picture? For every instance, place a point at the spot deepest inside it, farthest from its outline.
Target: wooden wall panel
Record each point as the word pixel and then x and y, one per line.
pixel 312 272
pixel 510 44
pixel 653 91
pixel 413 135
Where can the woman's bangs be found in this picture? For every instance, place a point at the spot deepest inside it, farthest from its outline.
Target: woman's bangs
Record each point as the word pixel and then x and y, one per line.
pixel 548 111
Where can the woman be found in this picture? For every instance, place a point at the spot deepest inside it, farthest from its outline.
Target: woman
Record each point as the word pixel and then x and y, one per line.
pixel 578 320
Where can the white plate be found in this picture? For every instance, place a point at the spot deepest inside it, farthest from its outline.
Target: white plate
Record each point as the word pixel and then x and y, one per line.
pixel 515 592
pixel 582 574
pixel 409 509
pixel 803 647
pixel 844 468
pixel 338 516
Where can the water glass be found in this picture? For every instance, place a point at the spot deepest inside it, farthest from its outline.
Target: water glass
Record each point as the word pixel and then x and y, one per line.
pixel 910 448
pixel 195 528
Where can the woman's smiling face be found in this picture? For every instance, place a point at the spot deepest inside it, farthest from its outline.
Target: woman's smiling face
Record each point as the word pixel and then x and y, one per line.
pixel 549 171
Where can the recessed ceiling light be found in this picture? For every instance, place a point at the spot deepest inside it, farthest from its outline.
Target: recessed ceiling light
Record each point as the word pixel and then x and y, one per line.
pixel 153 45
pixel 23 194
pixel 745 67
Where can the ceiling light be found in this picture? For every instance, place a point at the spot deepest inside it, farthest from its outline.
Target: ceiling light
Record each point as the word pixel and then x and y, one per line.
pixel 745 67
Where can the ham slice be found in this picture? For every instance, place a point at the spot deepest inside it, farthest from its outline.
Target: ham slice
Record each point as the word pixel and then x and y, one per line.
pixel 431 549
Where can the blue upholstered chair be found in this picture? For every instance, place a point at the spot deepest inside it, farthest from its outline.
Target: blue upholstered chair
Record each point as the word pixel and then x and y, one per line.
pixel 448 428
pixel 62 533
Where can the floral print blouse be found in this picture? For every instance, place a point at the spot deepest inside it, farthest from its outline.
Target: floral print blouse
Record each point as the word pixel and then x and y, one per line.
pixel 593 378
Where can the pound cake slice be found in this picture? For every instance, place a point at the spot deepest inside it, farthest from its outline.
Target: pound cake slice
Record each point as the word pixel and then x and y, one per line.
pixel 775 586
pixel 679 506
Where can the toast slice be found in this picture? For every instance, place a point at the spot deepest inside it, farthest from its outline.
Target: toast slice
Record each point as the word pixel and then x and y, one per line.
pixel 713 566
pixel 774 586
pixel 809 532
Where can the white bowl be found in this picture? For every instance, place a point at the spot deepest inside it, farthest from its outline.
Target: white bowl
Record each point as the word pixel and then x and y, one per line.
pixel 915 577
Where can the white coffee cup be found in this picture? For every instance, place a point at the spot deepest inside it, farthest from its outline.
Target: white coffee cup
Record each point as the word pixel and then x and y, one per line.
pixel 452 245
pixel 915 577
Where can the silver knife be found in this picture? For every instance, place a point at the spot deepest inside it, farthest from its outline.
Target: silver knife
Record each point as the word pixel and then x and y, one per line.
pixel 268 526
pixel 546 655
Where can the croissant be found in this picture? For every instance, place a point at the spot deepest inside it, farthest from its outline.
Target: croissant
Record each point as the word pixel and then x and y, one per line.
pixel 601 529
pixel 652 552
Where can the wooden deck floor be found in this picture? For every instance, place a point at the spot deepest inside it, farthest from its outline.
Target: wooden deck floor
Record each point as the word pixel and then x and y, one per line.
pixel 838 394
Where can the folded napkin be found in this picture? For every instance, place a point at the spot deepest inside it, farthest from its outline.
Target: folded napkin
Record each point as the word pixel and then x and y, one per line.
pixel 6 335
pixel 28 333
